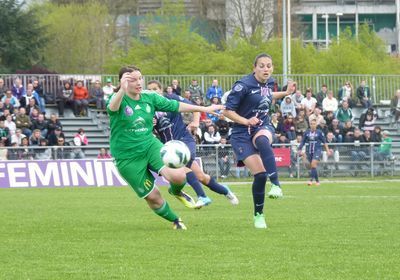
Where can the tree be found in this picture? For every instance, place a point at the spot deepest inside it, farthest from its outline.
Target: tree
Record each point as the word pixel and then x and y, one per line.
pixel 79 37
pixel 21 37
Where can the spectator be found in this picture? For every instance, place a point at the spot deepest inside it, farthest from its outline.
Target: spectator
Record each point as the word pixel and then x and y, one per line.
pixel 8 106
pixel 223 126
pixel 18 89
pixel 2 88
pixel 214 91
pixel 212 136
pixel 195 89
pixel 214 117
pixel 297 98
pixel 61 151
pixel 223 158
pixel 329 116
pixel 53 123
pixel 77 153
pixel 10 124
pixel 288 108
pixel 81 96
pixel 4 133
pixel 344 114
pixel 64 97
pixel 3 151
pixel 97 96
pixel 23 122
pixel 364 95
pixel 205 125
pixel 176 88
pixel 43 153
pixel 323 127
pixel 309 103
pixel 34 114
pixel 301 125
pixel 108 89
pixel 17 137
pixel 14 152
pixel 357 151
pixel 103 154
pixel 199 101
pixel 26 152
pixel 395 106
pixel 322 95
pixel 289 128
pixel 316 116
pixel 81 136
pixel 348 131
pixel 37 87
pixel 376 135
pixel 187 94
pixel 30 93
pixel 35 138
pixel 31 106
pixel 293 154
pixel 55 136
pixel 336 130
pixel 277 125
pixel 330 103
pixel 385 149
pixel 41 124
pixel 11 99
pixel 346 94
pixel 367 120
pixel 333 151
pixel 367 136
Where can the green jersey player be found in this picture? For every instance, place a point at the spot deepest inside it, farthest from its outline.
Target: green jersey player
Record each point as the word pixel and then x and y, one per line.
pixel 136 150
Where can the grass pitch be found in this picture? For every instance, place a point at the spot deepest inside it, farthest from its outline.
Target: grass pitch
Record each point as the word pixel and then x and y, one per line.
pixel 335 231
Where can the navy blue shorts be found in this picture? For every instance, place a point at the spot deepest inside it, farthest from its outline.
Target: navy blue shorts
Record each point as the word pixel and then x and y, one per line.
pixel 316 155
pixel 242 144
pixel 189 141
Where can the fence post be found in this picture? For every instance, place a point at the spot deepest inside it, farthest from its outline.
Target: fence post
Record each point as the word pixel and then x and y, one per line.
pixel 216 162
pixel 374 88
pixel 298 166
pixel 202 87
pixel 371 147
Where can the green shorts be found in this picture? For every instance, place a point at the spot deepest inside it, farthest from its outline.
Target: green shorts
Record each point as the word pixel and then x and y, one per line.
pixel 136 170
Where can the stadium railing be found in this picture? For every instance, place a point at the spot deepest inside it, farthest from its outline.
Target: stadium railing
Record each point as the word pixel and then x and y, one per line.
pixel 383 87
pixel 344 162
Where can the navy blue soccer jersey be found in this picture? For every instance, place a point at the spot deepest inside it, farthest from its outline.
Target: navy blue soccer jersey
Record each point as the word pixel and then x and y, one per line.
pixel 250 98
pixel 170 126
pixel 314 139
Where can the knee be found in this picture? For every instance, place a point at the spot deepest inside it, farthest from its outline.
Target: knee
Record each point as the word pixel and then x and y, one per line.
pixel 261 176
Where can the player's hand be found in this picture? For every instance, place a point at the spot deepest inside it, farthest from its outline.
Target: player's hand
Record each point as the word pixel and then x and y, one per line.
pixel 291 87
pixel 125 79
pixel 215 107
pixel 253 121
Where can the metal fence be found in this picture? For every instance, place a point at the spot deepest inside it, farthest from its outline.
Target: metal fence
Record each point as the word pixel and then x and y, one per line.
pixel 383 87
pixel 348 159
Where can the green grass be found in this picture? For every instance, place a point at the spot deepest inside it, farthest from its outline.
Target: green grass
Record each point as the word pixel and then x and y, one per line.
pixel 336 231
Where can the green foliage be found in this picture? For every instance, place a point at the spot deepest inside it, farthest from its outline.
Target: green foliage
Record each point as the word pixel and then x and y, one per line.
pixel 21 37
pixel 79 36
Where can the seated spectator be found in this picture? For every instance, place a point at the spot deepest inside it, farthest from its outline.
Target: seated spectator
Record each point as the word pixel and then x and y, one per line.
pixel 329 116
pixel 287 107
pixel 322 95
pixel 195 89
pixel 323 127
pixel 199 102
pixel 35 138
pixel 333 150
pixel 176 87
pixel 385 149
pixel 37 87
pixel 346 93
pixel 330 103
pixel 309 103
pixel 31 106
pixel 62 151
pixel 23 122
pixel 367 120
pixel 77 153
pixel 14 152
pixel 103 154
pixel 336 130
pixel 44 153
pixel 376 135
pixel 25 152
pixel 316 116
pixel 395 107
pixel 301 125
pixel 11 99
pixel 41 124
pixel 34 114
pixel 212 136
pixel 367 136
pixel 223 126
pixel 97 96
pixel 274 107
pixel 289 128
pixel 108 89
pixel 8 106
pixel 223 158
pixel 186 94
pixel 214 117
pixel 2 88
pixel 30 93
pixel 17 137
pixel 278 126
pixel 81 99
pixel 64 97
pixel 205 125
pixel 344 114
pixel 3 151
pixel 4 133
pixel 364 95
pixel 81 136
pixel 348 131
pixel 52 124
pixel 214 91
pixel 297 99
pixel 358 152
pixel 10 124
pixel 55 136
pixel 18 89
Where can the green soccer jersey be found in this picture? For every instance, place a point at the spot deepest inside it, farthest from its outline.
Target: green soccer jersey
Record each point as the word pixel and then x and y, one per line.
pixel 132 125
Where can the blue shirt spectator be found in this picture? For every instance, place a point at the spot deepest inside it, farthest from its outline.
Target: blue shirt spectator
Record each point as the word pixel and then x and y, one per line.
pixel 214 91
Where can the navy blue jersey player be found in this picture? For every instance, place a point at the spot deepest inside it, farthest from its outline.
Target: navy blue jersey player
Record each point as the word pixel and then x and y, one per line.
pixel 170 126
pixel 248 106
pixel 315 139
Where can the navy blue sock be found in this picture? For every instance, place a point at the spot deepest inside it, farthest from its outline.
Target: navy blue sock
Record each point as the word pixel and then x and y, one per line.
pixel 195 184
pixel 259 192
pixel 315 174
pixel 268 158
pixel 216 187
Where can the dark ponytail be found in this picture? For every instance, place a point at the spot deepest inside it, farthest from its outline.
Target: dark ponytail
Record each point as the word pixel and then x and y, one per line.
pixel 122 71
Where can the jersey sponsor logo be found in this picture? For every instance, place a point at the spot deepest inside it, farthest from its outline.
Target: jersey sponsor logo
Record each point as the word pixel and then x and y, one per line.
pixel 128 111
pixel 238 88
pixel 138 125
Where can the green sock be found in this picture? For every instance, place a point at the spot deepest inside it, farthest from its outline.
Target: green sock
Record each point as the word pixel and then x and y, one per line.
pixel 166 212
pixel 176 188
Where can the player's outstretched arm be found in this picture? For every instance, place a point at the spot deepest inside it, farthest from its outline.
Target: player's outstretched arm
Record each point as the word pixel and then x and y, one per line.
pixel 183 107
